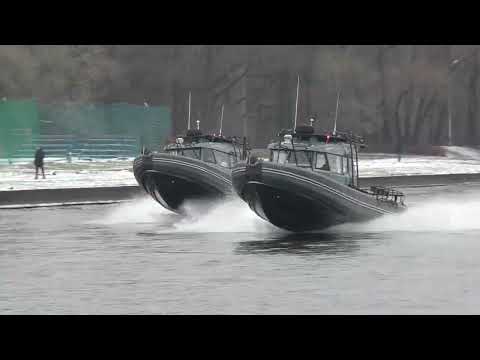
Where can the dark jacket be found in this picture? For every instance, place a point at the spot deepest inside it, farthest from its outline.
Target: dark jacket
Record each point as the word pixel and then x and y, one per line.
pixel 39 155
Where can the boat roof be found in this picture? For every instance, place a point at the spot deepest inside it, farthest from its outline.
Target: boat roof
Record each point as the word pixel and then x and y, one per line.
pixel 195 138
pixel 305 138
pixel 307 132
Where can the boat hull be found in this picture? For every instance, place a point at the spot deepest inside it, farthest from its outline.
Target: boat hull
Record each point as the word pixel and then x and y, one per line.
pixel 172 180
pixel 299 199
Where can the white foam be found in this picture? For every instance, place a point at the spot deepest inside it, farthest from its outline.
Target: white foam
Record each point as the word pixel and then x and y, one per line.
pixel 232 215
pixel 450 212
pixel 441 214
pixel 144 210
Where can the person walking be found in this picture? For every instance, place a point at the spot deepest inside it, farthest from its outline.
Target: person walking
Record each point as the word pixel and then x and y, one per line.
pixel 39 156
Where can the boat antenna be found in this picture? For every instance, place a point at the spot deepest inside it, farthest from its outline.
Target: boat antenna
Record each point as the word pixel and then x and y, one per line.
pixel 296 104
pixel 336 114
pixel 189 108
pixel 221 121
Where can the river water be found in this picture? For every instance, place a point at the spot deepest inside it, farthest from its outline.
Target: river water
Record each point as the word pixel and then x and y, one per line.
pixel 136 258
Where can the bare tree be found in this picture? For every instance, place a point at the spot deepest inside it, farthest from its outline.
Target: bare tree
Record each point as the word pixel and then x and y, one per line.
pixel 472 123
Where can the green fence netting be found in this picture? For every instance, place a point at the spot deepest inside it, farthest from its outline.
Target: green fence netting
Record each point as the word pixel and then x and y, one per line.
pixel 19 123
pixel 92 130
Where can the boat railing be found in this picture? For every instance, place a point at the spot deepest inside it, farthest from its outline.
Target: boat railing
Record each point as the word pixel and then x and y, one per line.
pixel 351 137
pixel 387 194
pixel 195 139
pixel 342 136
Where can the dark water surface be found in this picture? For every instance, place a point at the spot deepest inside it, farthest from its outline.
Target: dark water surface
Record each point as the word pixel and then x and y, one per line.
pixel 136 258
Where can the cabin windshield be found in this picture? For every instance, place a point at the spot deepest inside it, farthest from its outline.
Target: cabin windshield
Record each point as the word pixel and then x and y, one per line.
pixel 172 151
pixel 207 155
pixel 300 158
pixel 303 158
pixel 226 160
pixel 191 153
pixel 335 163
pixel 279 156
pixel 315 160
pixel 322 163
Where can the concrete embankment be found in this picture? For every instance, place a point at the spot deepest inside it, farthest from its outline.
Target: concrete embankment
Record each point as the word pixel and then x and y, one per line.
pixel 72 196
pixel 104 195
pixel 421 180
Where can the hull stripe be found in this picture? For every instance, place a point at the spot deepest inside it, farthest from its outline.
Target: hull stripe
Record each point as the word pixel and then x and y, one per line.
pixel 197 167
pixel 326 187
pixel 346 197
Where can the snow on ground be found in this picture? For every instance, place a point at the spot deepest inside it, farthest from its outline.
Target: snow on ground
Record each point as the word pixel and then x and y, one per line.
pixel 461 152
pixel 114 172
pixel 458 160
pixel 61 174
pixel 416 165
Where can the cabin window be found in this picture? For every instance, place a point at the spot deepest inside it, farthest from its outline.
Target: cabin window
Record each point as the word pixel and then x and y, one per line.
pixel 345 165
pixel 322 163
pixel 303 158
pixel 335 163
pixel 224 159
pixel 207 155
pixel 274 156
pixel 192 153
pixel 172 152
pixel 279 156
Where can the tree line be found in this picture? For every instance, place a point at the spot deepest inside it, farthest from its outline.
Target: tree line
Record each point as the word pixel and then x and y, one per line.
pixel 394 95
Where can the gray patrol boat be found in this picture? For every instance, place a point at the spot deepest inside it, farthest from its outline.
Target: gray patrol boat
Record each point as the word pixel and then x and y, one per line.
pixel 194 167
pixel 310 182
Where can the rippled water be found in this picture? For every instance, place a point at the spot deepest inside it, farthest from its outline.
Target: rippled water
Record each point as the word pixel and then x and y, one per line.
pixel 137 258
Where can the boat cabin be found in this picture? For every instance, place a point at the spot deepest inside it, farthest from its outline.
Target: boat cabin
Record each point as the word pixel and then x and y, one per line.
pixel 211 148
pixel 334 155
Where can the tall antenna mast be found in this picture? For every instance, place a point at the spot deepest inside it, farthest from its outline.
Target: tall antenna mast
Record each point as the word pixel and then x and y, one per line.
pixel 221 121
pixel 189 108
pixel 336 114
pixel 296 104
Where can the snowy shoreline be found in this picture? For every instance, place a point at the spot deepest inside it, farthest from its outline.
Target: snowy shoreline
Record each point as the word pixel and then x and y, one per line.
pixel 61 174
